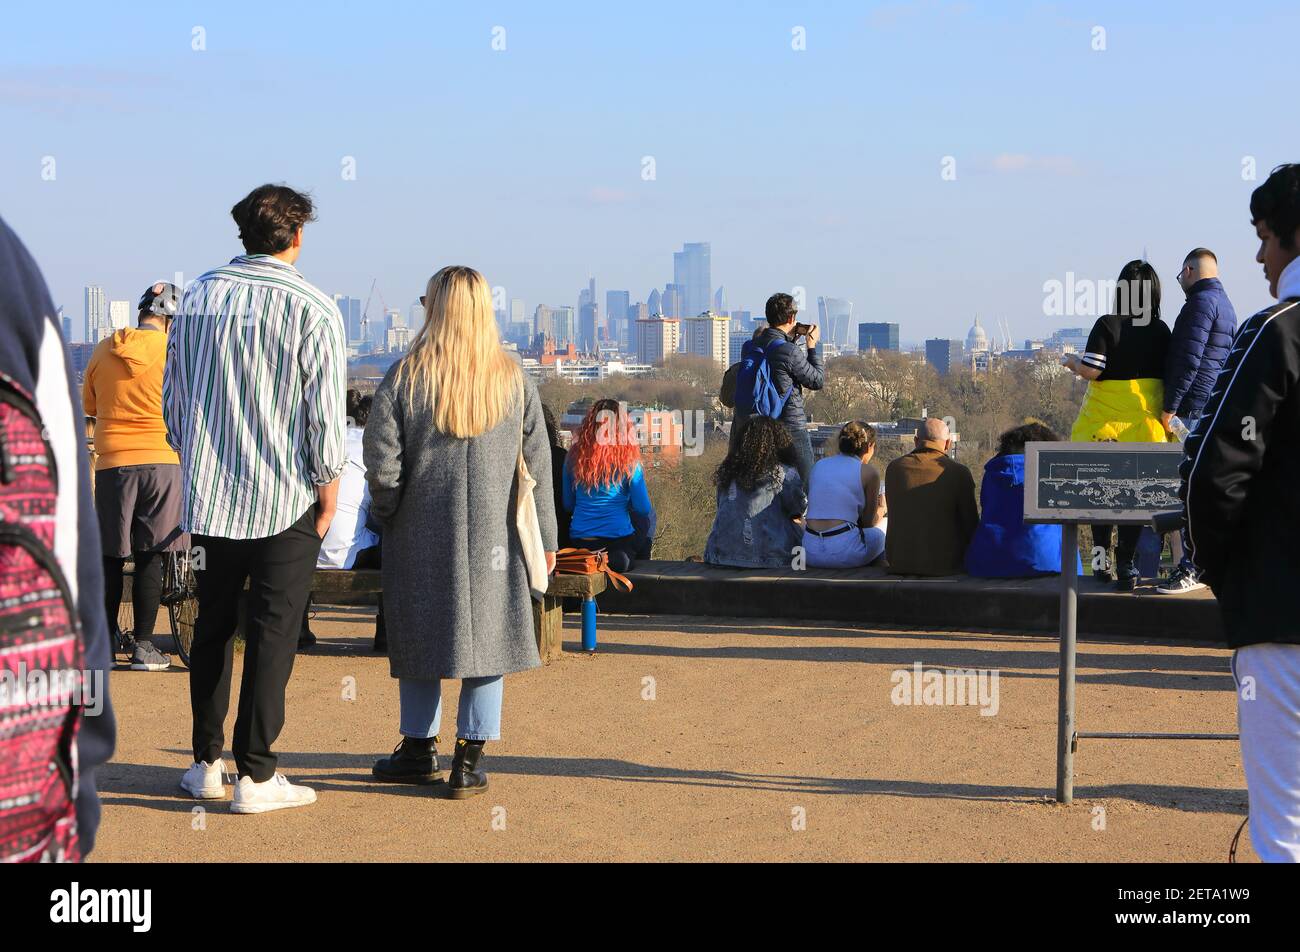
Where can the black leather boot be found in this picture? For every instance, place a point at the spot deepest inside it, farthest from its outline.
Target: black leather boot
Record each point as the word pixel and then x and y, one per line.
pixel 414 760
pixel 465 781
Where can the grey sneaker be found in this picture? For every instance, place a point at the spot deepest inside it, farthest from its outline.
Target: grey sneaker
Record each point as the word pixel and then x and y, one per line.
pixel 1181 581
pixel 148 658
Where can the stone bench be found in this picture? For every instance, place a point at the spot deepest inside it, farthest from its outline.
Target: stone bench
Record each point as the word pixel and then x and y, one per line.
pixel 548 616
pixel 870 598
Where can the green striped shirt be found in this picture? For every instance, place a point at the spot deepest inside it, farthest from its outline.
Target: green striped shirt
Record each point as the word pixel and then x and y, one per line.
pixel 254 397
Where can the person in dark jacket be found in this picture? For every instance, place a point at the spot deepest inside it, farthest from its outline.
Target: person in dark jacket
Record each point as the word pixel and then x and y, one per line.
pixel 1201 338
pixel 1004 546
pixel 792 371
pixel 558 454
pixel 33 353
pixel 1242 516
pixel 931 501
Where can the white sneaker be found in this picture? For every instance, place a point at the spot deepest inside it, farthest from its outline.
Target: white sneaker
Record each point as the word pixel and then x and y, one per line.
pixel 1180 583
pixel 274 794
pixel 203 781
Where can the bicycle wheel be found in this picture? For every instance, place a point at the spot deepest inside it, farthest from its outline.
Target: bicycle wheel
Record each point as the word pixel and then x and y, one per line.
pixel 182 600
pixel 123 643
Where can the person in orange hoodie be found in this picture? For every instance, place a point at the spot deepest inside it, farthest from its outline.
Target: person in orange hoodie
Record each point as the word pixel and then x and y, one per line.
pixel 137 474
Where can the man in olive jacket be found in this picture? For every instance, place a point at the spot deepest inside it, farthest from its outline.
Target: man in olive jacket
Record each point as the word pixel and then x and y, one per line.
pixel 932 511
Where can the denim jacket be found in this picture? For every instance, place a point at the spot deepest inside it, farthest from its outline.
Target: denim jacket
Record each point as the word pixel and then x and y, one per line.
pixel 756 530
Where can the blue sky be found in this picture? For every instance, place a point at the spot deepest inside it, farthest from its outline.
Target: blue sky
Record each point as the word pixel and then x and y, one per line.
pixel 818 168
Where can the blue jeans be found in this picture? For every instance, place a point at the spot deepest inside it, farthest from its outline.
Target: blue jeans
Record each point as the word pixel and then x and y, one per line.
pixel 479 717
pixel 803 452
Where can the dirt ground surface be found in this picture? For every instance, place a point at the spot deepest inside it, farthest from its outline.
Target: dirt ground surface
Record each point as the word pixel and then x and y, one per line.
pixel 715 739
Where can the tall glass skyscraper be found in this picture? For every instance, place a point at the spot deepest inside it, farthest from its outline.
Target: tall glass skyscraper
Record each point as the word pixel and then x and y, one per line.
pixel 835 315
pixel 96 313
pixel 691 273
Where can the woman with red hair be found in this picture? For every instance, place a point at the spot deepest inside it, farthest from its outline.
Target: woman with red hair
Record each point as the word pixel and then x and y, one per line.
pixel 604 484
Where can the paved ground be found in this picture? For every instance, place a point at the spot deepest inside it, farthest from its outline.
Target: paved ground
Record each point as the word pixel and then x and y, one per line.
pixel 753 728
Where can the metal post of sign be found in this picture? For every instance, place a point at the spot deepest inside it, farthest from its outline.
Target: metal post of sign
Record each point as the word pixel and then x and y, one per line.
pixel 1065 688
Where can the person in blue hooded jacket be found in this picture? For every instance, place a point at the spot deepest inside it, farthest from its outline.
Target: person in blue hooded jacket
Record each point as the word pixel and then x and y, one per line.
pixel 1200 343
pixel 1003 545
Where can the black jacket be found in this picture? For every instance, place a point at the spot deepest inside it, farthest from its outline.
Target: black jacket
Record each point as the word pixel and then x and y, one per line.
pixel 790 367
pixel 32 351
pixel 1241 481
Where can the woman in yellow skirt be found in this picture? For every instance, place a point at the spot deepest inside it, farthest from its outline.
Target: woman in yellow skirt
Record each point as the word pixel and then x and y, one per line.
pixel 1124 364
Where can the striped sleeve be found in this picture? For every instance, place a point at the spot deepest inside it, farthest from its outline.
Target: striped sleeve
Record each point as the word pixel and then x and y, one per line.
pixel 1094 351
pixel 323 362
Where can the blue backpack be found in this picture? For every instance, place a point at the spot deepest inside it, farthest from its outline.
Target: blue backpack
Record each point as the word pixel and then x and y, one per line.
pixel 756 393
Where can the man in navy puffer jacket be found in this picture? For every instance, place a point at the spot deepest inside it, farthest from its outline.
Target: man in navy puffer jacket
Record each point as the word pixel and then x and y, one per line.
pixel 1201 340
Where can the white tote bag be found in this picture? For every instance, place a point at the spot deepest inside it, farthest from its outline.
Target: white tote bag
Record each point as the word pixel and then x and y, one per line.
pixel 530 530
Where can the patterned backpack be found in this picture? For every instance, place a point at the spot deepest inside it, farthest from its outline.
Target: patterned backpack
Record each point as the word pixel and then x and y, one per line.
pixel 41 649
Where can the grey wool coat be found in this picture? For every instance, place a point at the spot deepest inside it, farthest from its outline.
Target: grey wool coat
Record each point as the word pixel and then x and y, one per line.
pixel 456 597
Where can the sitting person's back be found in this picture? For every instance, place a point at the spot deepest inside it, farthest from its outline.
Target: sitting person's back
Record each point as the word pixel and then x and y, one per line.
pixel 1004 546
pixel 845 527
pixel 760 495
pixel 349 533
pixel 604 485
pixel 932 511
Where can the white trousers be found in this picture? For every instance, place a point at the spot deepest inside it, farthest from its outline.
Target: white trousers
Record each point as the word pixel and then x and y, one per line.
pixel 1268 719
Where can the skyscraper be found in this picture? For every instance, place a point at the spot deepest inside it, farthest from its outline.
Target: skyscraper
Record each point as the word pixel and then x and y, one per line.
pixel 119 315
pixel 835 316
pixel 943 355
pixel 720 301
pixel 350 308
pixel 556 323
pixel 589 327
pixel 877 336
pixel 691 273
pixel 616 305
pixel 655 303
pixel 96 313
pixel 673 301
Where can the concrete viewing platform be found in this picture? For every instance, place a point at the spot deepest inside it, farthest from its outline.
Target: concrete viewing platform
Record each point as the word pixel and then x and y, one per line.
pixel 871 598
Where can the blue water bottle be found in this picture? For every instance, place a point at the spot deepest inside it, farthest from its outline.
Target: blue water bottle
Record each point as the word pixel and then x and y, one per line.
pixel 589 623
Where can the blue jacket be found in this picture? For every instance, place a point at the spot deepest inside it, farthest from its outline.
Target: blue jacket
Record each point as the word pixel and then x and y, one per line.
pixel 790 368
pixel 1003 546
pixel 1201 340
pixel 607 511
pixel 757 529
pixel 33 352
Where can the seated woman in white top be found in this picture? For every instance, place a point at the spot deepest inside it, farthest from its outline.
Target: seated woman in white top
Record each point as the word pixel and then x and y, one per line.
pixel 845 525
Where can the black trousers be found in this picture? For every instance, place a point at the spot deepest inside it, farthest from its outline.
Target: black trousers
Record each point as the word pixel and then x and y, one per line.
pixel 278 570
pixel 1125 548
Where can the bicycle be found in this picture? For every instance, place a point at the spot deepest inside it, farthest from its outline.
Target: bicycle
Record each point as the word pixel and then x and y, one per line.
pixel 179 597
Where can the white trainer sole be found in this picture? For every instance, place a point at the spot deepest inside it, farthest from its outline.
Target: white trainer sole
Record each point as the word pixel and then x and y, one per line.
pixel 205 793
pixel 266 806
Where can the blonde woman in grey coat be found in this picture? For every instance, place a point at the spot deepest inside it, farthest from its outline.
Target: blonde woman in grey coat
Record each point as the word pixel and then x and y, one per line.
pixel 441 447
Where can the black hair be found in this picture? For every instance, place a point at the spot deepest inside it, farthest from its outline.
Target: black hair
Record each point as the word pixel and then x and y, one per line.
pixel 780 309
pixel 1137 292
pixel 1013 441
pixel 1198 253
pixel 1277 204
pixel 361 412
pixel 763 446
pixel 269 216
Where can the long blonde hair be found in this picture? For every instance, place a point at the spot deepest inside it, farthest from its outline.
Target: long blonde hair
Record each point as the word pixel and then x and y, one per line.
pixel 456 361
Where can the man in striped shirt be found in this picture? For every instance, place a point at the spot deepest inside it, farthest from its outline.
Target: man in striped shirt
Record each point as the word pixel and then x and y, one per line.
pixel 253 397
